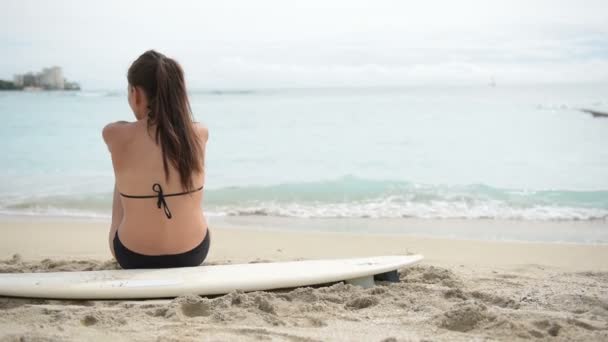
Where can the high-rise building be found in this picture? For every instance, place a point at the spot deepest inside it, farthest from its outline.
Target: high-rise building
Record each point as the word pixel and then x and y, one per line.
pixel 49 78
pixel 18 80
pixel 31 80
pixel 52 78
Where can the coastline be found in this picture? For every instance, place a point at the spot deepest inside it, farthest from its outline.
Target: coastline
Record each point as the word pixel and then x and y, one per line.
pixel 462 290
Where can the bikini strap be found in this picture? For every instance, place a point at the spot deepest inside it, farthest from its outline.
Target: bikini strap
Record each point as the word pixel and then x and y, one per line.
pixel 161 197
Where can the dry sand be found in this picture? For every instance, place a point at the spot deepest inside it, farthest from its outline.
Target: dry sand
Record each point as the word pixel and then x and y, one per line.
pixel 464 290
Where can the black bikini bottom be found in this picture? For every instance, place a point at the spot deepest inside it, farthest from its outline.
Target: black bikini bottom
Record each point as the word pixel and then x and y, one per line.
pixel 128 259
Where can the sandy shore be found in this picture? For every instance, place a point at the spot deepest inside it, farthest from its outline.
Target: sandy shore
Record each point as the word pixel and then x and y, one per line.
pixel 464 290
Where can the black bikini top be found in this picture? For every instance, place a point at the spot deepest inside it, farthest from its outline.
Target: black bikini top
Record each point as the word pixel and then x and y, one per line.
pixel 161 197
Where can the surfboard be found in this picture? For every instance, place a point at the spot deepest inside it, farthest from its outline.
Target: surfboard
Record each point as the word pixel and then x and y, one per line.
pixel 201 280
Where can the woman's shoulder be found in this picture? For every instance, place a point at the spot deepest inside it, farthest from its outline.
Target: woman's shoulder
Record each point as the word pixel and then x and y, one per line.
pixel 116 133
pixel 202 130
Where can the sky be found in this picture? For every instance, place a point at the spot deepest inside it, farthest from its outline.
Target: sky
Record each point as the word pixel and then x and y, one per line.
pixel 339 43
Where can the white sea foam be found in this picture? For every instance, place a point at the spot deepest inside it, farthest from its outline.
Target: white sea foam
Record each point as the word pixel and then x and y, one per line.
pixel 431 210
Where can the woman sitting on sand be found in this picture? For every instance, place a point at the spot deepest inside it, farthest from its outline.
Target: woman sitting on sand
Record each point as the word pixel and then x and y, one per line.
pixel 158 160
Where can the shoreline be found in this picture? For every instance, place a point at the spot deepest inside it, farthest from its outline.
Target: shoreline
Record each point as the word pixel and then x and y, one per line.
pixel 445 228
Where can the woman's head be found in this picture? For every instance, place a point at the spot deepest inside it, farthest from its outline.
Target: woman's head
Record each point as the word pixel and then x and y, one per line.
pixel 157 89
pixel 148 73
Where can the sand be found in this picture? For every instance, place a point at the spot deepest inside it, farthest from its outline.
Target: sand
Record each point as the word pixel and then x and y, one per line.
pixel 463 290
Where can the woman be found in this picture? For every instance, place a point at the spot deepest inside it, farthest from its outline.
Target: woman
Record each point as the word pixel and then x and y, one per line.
pixel 158 160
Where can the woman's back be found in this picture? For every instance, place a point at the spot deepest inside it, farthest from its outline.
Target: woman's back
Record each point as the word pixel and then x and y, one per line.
pixel 157 216
pixel 145 228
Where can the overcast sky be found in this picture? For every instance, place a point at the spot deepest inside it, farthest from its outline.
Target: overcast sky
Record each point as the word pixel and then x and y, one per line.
pixel 253 44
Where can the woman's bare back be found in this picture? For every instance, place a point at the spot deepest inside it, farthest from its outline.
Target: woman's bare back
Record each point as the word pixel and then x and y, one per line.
pixel 145 228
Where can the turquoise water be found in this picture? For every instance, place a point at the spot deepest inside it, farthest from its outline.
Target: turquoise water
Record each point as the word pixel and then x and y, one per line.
pixel 516 153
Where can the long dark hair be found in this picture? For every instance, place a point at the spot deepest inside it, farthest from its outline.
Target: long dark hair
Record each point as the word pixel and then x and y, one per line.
pixel 162 78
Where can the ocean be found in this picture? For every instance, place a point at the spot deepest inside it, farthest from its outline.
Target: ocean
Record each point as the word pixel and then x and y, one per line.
pixel 514 153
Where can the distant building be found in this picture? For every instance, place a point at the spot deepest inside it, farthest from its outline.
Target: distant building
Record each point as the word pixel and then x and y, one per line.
pixel 71 85
pixel 18 80
pixel 31 80
pixel 49 79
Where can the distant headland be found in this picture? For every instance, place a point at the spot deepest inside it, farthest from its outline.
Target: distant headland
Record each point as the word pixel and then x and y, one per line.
pixel 47 79
pixel 595 113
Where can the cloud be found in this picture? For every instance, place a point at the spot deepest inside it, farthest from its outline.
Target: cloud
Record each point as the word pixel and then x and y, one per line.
pixel 236 71
pixel 276 43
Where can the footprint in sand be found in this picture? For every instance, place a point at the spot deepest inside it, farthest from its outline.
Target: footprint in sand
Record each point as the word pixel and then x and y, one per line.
pixel 193 306
pixel 361 303
pixel 89 320
pixel 552 328
pixel 464 316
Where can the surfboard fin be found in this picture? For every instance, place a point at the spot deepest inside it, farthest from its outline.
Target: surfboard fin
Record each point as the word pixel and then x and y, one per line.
pixel 365 282
pixel 392 276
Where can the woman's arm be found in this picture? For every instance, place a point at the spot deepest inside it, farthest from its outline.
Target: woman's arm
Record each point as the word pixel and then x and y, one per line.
pixel 117 216
pixel 112 135
pixel 117 209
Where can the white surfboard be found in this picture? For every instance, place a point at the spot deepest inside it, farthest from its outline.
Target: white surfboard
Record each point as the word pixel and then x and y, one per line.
pixel 202 280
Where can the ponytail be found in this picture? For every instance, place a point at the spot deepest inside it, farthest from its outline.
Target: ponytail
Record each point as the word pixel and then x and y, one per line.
pixel 163 80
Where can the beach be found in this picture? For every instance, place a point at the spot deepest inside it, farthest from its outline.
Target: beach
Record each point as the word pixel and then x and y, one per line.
pixel 465 132
pixel 464 289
